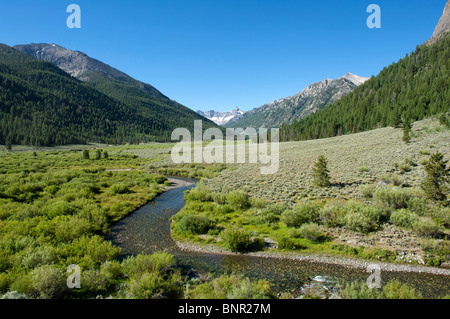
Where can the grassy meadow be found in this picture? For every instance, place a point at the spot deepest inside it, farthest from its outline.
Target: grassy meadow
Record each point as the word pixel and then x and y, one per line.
pixel 374 207
pixel 57 205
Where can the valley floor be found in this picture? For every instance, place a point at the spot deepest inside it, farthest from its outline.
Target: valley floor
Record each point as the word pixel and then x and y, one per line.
pixel 377 159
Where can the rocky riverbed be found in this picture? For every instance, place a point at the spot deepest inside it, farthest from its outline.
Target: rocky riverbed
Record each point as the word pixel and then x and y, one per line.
pixel 325 259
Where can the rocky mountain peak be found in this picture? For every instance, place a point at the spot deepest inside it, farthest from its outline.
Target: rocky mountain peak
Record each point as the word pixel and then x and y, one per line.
pixel 355 79
pixel 443 25
pixel 222 118
pixel 76 63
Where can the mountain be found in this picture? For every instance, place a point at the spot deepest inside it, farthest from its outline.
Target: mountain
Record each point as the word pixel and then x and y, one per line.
pixel 222 118
pixel 415 87
pixel 287 110
pixel 42 105
pixel 160 113
pixel 443 25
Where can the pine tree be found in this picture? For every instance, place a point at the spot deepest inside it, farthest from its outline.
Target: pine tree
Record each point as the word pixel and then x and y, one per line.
pixel 98 154
pixel 86 154
pixel 105 154
pixel 406 131
pixel 437 176
pixel 443 120
pixel 321 172
pixel 397 119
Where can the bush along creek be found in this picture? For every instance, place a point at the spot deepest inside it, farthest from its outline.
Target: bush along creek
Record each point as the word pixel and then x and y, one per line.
pixel 195 227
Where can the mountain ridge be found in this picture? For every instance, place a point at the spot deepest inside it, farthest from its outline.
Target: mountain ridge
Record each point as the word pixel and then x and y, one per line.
pixel 286 110
pixel 222 118
pixel 144 99
pixel 41 104
pixel 442 27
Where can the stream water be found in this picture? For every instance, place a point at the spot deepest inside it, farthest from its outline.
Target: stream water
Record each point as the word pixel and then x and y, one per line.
pixel 148 230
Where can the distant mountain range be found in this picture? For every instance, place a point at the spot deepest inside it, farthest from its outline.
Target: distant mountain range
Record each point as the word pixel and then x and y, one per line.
pixel 222 118
pixel 91 94
pixel 413 88
pixel 287 110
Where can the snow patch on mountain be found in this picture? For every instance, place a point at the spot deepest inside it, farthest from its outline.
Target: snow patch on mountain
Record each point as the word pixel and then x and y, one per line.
pixel 222 118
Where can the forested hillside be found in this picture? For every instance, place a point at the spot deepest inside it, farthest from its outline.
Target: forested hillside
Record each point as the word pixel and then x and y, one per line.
pixel 42 105
pixel 161 114
pixel 415 87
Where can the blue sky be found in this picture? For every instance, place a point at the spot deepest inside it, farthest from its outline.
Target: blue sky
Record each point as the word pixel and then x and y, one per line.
pixel 215 54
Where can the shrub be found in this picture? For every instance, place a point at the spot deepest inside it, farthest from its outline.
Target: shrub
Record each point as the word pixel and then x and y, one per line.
pixel 427 227
pixel 361 218
pixel 238 200
pixel 272 213
pixel 397 290
pixel 237 240
pixel 291 219
pixel 332 214
pixel 358 290
pixel 160 179
pixel 404 168
pixel 269 217
pixel 258 202
pixel 231 287
pixel 396 180
pixel 367 190
pixel 395 198
pixel 68 228
pixel 359 222
pixel 200 193
pixel 288 243
pixel 363 169
pixel 119 189
pixel 193 224
pixel 103 280
pixel 219 198
pixel 13 295
pixel 392 290
pixel 58 208
pixel 153 285
pixel 303 213
pixel 52 189
pixel 89 252
pixel 418 205
pixel 441 215
pixel 310 231
pixel 404 218
pixel 47 282
pixel 35 257
pixel 159 262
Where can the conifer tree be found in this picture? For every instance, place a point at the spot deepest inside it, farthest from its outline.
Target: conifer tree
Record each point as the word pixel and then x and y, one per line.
pixel 407 130
pixel 86 154
pixel 321 172
pixel 437 177
pixel 443 120
pixel 397 119
pixel 98 154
